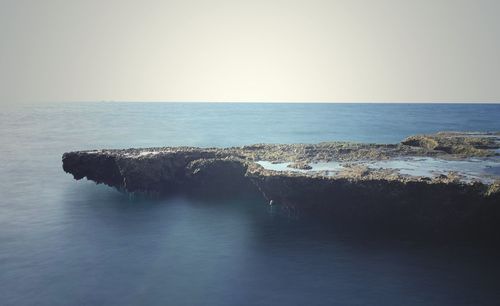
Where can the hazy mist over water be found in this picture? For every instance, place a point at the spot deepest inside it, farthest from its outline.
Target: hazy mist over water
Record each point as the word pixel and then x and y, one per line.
pixel 260 50
pixel 64 242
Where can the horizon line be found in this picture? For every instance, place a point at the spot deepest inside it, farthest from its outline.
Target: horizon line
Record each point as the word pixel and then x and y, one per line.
pixel 284 102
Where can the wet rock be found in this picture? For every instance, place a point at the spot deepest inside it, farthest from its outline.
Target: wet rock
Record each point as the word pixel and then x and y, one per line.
pixel 421 141
pixel 456 143
pixel 300 165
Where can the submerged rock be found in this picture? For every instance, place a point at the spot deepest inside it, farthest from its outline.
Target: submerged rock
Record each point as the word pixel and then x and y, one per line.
pixel 355 194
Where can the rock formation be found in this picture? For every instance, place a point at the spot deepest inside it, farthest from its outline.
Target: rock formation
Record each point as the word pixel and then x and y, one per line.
pixel 357 195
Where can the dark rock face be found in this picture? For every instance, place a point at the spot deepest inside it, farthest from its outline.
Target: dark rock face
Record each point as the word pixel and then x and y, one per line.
pixel 98 168
pixel 418 209
pixel 219 176
pixel 358 197
pixel 185 170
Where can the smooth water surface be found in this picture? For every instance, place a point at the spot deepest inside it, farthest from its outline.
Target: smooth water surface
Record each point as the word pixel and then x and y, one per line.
pixel 332 166
pixel 64 242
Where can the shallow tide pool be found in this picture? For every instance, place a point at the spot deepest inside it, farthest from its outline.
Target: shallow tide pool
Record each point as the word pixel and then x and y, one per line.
pixel 483 170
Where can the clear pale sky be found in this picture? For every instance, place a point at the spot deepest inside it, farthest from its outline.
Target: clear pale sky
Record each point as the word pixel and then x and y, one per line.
pixel 259 50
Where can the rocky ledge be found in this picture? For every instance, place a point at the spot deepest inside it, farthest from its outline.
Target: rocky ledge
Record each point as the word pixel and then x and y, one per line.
pixel 439 185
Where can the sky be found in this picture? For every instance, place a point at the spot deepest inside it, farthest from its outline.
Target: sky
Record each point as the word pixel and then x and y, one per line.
pixel 250 51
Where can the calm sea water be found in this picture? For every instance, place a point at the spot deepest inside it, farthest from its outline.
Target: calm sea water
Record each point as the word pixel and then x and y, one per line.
pixel 64 242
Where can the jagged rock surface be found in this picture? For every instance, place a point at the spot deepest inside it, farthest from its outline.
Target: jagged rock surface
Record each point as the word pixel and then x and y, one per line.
pixel 356 196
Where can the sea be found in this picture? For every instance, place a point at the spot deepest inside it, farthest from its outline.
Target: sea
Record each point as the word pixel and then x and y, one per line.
pixel 67 242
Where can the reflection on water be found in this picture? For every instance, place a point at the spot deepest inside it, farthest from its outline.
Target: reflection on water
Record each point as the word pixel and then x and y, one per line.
pixel 105 248
pixel 64 242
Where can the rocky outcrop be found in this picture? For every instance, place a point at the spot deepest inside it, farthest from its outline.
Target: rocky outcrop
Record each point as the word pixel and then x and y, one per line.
pixel 418 208
pixel 463 144
pixel 357 196
pixel 156 171
pixel 300 165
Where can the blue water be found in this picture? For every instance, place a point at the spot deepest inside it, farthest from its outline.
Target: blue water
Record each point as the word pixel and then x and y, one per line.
pixel 64 242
